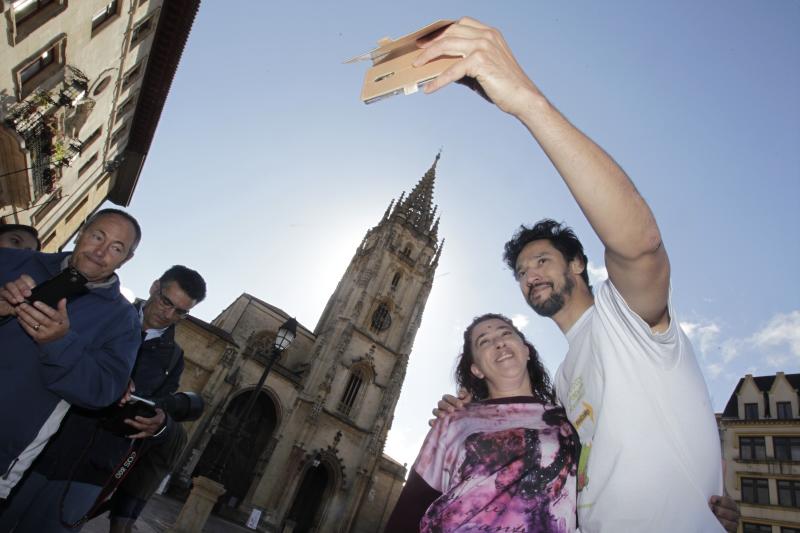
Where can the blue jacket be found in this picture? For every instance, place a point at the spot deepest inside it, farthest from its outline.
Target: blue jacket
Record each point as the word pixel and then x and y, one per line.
pixel 69 455
pixel 88 367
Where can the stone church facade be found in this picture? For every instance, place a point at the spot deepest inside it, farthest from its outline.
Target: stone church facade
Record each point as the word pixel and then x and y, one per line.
pixel 311 452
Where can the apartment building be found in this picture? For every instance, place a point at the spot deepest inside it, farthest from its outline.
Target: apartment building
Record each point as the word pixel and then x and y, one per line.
pixel 82 87
pixel 760 432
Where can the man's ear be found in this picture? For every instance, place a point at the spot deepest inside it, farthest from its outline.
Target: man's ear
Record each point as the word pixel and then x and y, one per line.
pixel 154 288
pixel 476 371
pixel 577 266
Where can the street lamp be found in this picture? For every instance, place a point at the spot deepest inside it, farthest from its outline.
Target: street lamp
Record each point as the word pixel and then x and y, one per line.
pixel 283 339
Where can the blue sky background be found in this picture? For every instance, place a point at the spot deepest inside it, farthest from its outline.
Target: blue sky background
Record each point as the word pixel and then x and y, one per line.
pixel 267 170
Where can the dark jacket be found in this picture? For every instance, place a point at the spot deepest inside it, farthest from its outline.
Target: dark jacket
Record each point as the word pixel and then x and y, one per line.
pixel 69 454
pixel 154 465
pixel 89 367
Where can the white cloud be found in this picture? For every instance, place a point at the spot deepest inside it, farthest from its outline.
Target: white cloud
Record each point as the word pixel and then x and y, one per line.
pixel 782 329
pixel 704 336
pixel 713 370
pixel 521 321
pixel 777 361
pixel 597 273
pixel 775 346
pixel 731 349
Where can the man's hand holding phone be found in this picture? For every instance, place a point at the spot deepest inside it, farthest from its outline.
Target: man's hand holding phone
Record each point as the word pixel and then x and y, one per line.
pixel 147 426
pixel 42 309
pixel 14 293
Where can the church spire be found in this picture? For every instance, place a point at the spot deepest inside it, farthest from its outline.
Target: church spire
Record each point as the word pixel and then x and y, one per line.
pixel 417 208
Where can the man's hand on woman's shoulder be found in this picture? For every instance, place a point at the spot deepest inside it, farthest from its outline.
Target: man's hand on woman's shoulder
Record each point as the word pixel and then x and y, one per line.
pixel 449 404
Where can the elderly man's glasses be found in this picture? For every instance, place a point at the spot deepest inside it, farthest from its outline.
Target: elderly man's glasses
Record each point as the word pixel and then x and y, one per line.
pixel 166 302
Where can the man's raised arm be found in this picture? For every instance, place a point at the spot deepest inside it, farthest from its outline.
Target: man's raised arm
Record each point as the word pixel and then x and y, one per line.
pixel 635 257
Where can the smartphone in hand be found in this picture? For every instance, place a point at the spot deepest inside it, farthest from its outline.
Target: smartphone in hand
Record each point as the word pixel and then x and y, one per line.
pixel 69 282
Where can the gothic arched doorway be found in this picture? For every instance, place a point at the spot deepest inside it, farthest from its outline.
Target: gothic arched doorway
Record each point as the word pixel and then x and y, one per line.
pixel 307 503
pixel 253 438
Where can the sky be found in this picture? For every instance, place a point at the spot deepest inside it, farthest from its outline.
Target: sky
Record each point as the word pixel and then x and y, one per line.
pixel 267 170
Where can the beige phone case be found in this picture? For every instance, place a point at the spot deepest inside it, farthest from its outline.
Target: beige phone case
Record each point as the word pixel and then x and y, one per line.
pixel 392 71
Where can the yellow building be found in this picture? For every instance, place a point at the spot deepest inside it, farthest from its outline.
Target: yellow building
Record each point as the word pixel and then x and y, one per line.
pixel 82 86
pixel 760 432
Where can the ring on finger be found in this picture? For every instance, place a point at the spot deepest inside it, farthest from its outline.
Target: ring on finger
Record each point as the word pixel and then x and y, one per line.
pixel 36 327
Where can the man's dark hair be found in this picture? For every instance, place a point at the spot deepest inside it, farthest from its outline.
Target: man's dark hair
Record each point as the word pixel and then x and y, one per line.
pixel 127 216
pixel 560 236
pixel 8 228
pixel 541 386
pixel 188 280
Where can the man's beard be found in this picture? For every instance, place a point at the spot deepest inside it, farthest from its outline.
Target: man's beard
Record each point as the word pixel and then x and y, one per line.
pixel 556 301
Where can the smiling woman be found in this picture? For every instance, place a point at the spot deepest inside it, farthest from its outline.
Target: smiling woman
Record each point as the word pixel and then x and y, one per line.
pixel 508 460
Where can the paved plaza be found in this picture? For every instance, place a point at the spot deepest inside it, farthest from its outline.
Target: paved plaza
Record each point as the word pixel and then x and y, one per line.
pixel 160 513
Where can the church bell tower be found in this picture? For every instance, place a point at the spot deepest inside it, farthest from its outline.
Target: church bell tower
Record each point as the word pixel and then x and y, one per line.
pixel 366 332
pixel 331 450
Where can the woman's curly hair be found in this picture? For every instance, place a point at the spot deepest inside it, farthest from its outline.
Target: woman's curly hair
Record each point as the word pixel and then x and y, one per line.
pixel 541 385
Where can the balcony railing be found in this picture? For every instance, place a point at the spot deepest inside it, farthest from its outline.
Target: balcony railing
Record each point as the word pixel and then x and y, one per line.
pixel 36 119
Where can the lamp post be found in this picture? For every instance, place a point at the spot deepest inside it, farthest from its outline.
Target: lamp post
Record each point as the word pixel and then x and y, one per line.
pixel 283 339
pixel 206 490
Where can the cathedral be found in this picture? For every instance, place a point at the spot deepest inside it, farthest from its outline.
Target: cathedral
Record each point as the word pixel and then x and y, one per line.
pixel 309 456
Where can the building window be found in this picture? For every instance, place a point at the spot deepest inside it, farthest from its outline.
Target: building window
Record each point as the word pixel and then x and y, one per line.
pixel 396 280
pixel 119 134
pixel 47 240
pixel 755 490
pixel 102 86
pixel 104 16
pixel 90 140
pixel 788 493
pixel 354 385
pixel 46 207
pixel 28 15
pixel 790 530
pixel 748 527
pixel 126 106
pixel 133 74
pixel 38 68
pixel 751 411
pixel 752 448
pixel 47 58
pixel 786 448
pixel 102 182
pixel 784 410
pixel 381 319
pixel 24 10
pixel 141 30
pixel 406 251
pixel 77 209
pixel 86 166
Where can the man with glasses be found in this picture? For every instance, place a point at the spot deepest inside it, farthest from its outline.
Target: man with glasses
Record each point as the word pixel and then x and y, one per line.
pixel 82 457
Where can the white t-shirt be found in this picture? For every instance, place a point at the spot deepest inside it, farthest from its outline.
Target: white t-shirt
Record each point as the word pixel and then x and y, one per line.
pixel 651 453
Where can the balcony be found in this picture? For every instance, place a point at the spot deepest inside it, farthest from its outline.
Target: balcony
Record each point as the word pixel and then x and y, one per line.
pixel 36 125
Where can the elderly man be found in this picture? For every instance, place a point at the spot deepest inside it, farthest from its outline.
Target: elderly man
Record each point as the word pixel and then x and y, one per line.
pixel 82 457
pixel 79 352
pixel 630 384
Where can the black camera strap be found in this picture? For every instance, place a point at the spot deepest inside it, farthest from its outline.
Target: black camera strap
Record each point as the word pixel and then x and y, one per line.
pixel 121 471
